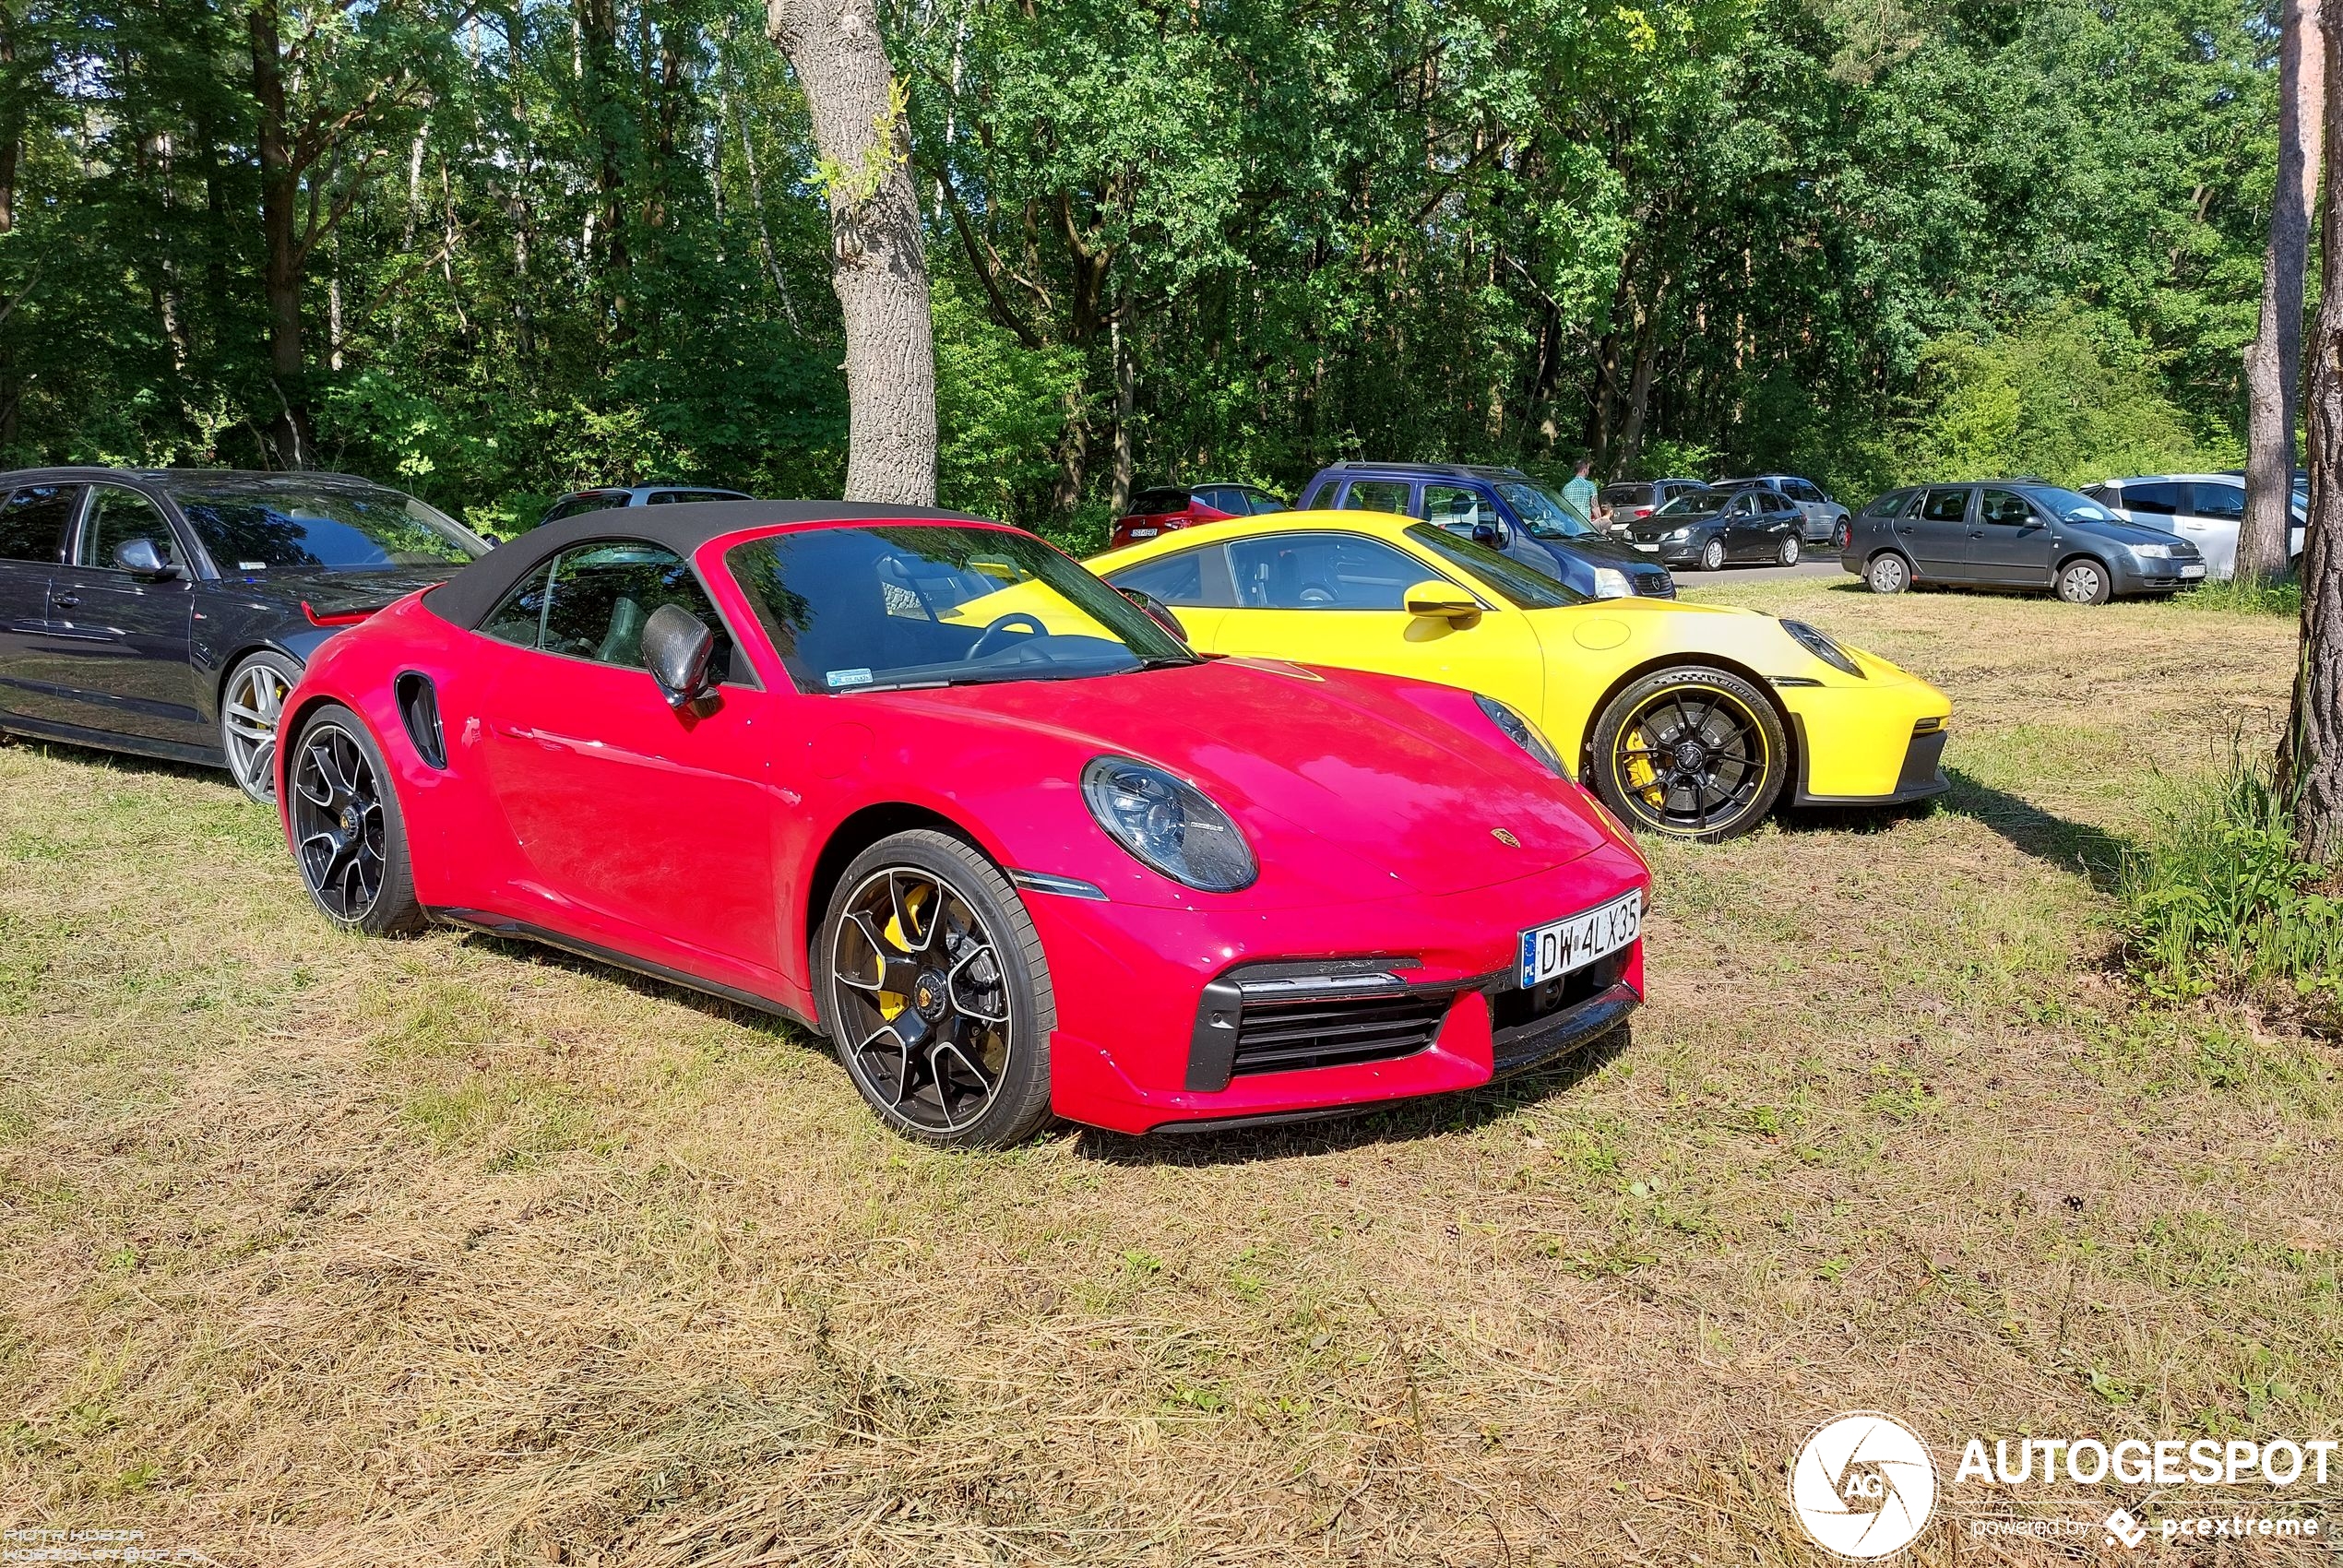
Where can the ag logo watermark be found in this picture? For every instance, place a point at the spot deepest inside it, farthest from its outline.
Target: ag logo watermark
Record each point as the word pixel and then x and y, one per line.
pixel 1863 1486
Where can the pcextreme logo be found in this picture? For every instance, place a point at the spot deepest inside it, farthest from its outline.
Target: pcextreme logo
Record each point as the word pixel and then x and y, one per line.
pixel 1863 1486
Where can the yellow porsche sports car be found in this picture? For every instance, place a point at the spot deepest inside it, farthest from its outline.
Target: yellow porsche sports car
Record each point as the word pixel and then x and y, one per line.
pixel 1690 719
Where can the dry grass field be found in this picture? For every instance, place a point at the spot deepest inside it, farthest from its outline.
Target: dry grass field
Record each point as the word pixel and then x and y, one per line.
pixel 322 1252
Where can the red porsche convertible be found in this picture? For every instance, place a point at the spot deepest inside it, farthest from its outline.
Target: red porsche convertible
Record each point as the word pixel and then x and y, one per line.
pixel 923 782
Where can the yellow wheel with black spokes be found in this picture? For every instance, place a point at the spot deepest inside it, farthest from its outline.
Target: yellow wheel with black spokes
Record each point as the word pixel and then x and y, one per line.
pixel 1693 752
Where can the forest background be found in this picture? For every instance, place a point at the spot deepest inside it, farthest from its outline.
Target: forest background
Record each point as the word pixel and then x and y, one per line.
pixel 491 252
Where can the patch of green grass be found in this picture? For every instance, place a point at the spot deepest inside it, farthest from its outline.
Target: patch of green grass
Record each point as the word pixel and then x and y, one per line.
pixel 2221 900
pixel 2238 596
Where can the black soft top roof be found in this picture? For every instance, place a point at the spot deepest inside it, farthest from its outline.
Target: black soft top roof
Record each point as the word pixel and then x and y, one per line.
pixel 467 597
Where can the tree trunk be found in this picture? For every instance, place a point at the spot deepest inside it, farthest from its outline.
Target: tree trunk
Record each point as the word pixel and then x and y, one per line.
pixel 280 273
pixel 2311 757
pixel 2274 361
pixel 878 263
pixel 1125 399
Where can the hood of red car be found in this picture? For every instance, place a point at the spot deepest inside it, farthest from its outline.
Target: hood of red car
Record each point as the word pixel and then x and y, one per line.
pixel 1382 785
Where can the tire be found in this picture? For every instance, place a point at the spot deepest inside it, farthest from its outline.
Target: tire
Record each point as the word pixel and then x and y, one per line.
pixel 1788 555
pixel 995 1089
pixel 1712 555
pixel 251 702
pixel 1888 573
pixel 349 834
pixel 1693 753
pixel 2084 581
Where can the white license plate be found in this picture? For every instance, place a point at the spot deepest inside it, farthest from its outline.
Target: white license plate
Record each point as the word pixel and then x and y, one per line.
pixel 1573 944
pixel 2195 571
pixel 1144 533
pixel 1647 548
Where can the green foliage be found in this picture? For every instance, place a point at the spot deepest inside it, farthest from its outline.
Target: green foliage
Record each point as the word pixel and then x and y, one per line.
pixel 2068 397
pixel 2220 900
pixel 546 247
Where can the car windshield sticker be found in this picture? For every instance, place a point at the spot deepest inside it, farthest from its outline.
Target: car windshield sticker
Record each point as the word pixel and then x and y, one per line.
pixel 849 677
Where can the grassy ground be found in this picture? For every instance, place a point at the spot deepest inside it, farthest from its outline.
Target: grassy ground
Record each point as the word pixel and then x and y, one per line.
pixel 321 1251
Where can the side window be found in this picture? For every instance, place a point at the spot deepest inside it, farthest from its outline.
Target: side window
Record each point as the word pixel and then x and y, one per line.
pixel 1886 505
pixel 602 594
pixel 592 501
pixel 1454 507
pixel 2105 494
pixel 521 617
pixel 1799 490
pixel 2224 503
pixel 1943 505
pixel 1322 571
pixel 2010 511
pixel 1180 579
pixel 1261 501
pixel 33 523
pixel 2159 498
pixel 1376 495
pixel 117 516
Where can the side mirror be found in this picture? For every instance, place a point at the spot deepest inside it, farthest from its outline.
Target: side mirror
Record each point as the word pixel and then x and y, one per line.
pixel 141 559
pixel 1436 601
pixel 676 646
pixel 1157 611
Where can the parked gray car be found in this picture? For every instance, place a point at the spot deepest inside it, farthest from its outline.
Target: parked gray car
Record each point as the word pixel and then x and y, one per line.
pixel 2013 533
pixel 1823 516
pixel 2209 510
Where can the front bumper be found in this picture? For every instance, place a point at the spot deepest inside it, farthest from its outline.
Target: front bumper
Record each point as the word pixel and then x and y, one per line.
pixel 1137 1048
pixel 1873 742
pixel 2133 576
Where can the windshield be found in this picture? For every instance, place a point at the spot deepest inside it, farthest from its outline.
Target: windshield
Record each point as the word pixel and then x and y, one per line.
pixel 1524 588
pixel 270 525
pixel 1694 504
pixel 2069 505
pixel 1543 515
pixel 924 605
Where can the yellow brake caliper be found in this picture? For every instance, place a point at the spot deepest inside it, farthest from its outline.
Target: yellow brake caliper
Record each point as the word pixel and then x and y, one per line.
pixel 1642 777
pixel 891 1003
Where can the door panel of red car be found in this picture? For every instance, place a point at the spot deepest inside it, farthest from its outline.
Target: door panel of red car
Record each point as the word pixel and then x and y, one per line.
pixel 650 830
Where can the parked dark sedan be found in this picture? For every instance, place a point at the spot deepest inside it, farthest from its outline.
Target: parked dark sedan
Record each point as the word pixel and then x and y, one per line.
pixel 2017 533
pixel 168 612
pixel 1710 529
pixel 1502 508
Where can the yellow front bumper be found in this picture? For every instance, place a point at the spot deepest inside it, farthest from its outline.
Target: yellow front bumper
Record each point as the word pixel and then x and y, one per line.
pixel 1875 743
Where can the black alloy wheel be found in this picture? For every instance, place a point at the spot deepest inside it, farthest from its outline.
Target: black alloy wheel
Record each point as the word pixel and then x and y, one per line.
pixel 1693 753
pixel 346 831
pixel 938 998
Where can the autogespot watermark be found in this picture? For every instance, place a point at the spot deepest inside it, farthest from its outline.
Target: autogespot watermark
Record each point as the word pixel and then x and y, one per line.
pixel 1864 1485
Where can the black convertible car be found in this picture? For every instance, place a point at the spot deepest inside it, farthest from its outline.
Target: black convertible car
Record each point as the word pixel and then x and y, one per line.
pixel 168 612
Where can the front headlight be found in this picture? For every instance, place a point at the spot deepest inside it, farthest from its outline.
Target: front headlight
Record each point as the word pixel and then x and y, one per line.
pixel 1684 532
pixel 1611 583
pixel 1821 648
pixel 1523 734
pixel 1167 825
pixel 2153 552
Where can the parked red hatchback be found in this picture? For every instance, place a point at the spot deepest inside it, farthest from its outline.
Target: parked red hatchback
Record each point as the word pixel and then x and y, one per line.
pixel 1172 507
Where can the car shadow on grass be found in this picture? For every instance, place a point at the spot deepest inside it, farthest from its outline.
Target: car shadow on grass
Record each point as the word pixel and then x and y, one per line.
pixel 2071 846
pixel 104 761
pixel 1409 1120
pixel 522 950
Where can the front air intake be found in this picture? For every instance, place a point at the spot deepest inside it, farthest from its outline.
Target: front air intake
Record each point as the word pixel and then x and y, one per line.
pixel 418 711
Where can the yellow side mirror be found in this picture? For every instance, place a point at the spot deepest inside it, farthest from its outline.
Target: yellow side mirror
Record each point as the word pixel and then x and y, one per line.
pixel 1439 600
